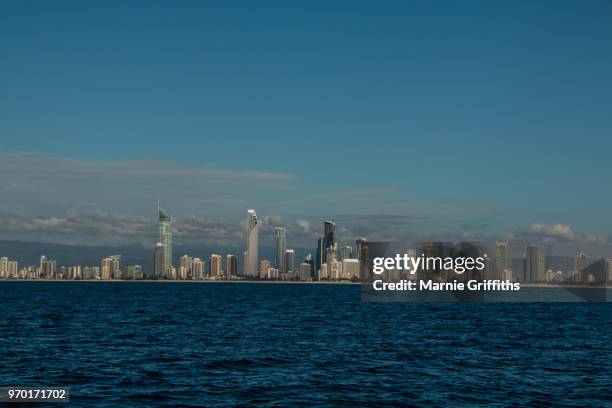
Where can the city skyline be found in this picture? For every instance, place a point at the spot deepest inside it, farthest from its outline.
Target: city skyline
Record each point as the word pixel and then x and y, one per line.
pixel 332 263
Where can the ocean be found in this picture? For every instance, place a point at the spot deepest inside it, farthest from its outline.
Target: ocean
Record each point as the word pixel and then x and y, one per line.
pixel 148 344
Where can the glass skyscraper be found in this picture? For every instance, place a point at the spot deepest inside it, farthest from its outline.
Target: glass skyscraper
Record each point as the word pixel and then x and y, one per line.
pixel 280 246
pixel 318 259
pixel 329 237
pixel 165 235
pixel 534 264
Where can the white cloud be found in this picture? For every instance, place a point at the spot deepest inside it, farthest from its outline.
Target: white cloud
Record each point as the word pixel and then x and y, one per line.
pixel 560 231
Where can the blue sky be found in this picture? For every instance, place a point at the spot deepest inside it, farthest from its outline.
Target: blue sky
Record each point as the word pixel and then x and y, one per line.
pixel 492 114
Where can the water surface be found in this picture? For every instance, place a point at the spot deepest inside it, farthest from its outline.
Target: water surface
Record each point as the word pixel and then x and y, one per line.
pixel 227 344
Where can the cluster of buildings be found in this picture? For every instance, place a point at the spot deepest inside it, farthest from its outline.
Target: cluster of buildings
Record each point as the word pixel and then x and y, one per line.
pixel 110 268
pixel 329 263
pixel 535 267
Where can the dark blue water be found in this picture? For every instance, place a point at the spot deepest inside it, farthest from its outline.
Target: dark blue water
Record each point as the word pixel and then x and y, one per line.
pixel 157 344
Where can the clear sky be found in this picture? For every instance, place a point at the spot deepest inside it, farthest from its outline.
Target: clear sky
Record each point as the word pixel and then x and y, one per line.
pixel 492 114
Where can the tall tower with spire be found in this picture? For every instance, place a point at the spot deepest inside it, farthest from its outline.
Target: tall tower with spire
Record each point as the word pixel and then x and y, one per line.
pixel 164 222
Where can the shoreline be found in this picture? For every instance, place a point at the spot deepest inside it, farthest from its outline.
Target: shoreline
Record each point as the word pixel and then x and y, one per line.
pixel 186 281
pixel 265 282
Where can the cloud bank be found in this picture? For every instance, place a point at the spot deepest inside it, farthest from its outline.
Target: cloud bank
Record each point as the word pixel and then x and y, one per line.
pixel 113 228
pixel 47 184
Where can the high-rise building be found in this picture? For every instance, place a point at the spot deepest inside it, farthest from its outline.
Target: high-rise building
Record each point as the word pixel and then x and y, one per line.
pixel 75 272
pixel 165 235
pixel 503 264
pixel 318 261
pixel 107 268
pixel 361 249
pixel 116 267
pixel 231 264
pixel 264 268
pixel 609 264
pixel 304 272
pixel 4 267
pixel 280 247
pixel 93 272
pixel 186 264
pixel 252 243
pixel 159 261
pixel 8 268
pixel 329 237
pixel 129 272
pixel 12 268
pixel 51 268
pixel 534 264
pixel 350 268
pixel 289 260
pixel 47 268
pixel 346 252
pixel 216 267
pixel 134 272
pixel 43 263
pixel 581 263
pixel 198 269
pixel 273 274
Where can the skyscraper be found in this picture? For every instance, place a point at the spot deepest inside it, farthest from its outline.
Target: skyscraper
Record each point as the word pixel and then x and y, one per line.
pixel 216 266
pixel 134 272
pixel 361 249
pixel 198 269
pixel 289 260
pixel 159 261
pixel 4 267
pixel 581 263
pixel 304 272
pixel 252 242
pixel 11 268
pixel 280 246
pixel 186 263
pixel 116 267
pixel 329 237
pixel 346 252
pixel 165 236
pixel 231 266
pixel 106 268
pixel 503 265
pixel 318 261
pixel 534 264
pixel 41 269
